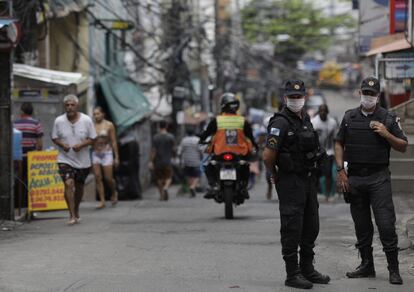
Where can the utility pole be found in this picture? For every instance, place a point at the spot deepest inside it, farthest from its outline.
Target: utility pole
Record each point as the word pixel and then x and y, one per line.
pixel 218 46
pixel 6 130
pixel 204 96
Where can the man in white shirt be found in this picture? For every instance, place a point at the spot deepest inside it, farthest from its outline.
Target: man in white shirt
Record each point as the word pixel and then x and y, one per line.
pixel 73 132
pixel 326 128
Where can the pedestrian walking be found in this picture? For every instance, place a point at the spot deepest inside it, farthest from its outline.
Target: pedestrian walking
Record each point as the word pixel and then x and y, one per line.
pixel 163 151
pixel 105 157
pixel 73 133
pixel 191 157
pixel 292 147
pixel 365 137
pixel 32 140
pixel 326 128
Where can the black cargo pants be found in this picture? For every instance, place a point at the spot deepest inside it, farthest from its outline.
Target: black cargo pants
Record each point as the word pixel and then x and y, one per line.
pixel 373 190
pixel 299 215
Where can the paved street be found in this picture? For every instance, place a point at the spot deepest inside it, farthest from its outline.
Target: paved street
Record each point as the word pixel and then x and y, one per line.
pixel 184 245
pixel 340 101
pixel 180 245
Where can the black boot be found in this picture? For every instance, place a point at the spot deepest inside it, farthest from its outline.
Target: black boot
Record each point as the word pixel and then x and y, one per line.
pixel 392 259
pixel 298 281
pixel 308 271
pixel 366 268
pixel 294 278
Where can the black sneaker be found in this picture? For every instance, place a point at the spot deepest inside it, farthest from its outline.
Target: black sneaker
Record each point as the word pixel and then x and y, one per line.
pixel 209 195
pixel 245 194
pixel 193 193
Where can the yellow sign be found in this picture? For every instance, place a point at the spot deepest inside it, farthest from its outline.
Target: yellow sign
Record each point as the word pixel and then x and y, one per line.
pixel 122 25
pixel 46 189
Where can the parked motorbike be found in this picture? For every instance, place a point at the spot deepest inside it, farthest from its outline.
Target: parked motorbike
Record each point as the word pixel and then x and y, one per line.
pixel 229 168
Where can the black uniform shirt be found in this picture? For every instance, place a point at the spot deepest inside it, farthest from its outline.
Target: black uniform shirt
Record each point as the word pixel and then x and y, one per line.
pixel 279 128
pixel 394 128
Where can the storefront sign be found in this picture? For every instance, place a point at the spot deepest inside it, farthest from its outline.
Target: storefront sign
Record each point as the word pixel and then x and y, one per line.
pixel 46 189
pixel 399 66
pixel 399 69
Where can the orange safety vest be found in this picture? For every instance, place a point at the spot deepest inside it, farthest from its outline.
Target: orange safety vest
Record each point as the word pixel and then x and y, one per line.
pixel 230 136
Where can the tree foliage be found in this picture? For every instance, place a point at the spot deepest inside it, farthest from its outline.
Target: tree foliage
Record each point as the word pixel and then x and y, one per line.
pixel 293 26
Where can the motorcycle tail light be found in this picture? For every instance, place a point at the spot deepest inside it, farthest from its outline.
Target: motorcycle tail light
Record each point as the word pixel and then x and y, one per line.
pixel 228 157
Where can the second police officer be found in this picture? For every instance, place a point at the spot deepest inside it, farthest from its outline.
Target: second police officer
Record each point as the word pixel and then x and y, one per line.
pixel 291 155
pixel 365 137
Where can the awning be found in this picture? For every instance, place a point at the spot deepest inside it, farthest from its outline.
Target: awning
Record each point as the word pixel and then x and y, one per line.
pixel 61 8
pixel 396 45
pixel 127 104
pixel 51 76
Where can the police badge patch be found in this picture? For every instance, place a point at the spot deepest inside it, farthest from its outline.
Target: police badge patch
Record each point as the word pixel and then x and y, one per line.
pixel 272 142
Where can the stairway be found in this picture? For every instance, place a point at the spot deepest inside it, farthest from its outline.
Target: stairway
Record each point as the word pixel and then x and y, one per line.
pixel 402 169
pixel 402 164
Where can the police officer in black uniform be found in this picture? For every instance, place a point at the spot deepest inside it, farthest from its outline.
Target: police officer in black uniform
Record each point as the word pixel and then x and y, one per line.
pixel 291 155
pixel 364 140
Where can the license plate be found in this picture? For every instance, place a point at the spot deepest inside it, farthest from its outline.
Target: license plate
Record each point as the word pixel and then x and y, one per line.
pixel 228 174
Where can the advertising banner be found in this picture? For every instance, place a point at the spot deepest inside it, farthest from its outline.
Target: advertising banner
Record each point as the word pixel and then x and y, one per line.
pixel 46 189
pixel 398 16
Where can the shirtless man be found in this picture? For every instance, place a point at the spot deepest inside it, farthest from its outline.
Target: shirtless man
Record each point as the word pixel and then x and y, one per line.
pixel 105 156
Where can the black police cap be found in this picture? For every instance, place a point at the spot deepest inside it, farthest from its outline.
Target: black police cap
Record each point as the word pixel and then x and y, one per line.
pixel 295 87
pixel 370 84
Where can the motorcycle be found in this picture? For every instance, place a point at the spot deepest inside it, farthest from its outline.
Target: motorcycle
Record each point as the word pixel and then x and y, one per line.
pixel 229 168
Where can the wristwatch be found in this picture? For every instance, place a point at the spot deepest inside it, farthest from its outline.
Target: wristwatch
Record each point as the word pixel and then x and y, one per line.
pixel 339 168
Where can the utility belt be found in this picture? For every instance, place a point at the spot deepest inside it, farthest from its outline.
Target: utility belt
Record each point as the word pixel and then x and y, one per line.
pixel 300 167
pixel 366 171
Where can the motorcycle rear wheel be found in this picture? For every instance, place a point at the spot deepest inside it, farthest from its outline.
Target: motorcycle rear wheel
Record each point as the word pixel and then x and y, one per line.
pixel 228 194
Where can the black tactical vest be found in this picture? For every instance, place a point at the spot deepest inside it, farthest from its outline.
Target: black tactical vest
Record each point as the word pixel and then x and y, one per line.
pixel 362 144
pixel 300 149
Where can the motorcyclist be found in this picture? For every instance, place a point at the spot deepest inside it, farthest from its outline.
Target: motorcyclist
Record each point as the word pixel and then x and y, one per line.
pixel 230 133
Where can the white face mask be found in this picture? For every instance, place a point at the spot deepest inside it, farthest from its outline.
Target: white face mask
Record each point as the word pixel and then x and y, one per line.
pixel 295 104
pixel 368 101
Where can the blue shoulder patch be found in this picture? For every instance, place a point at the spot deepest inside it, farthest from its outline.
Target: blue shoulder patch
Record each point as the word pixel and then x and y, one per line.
pixel 274 131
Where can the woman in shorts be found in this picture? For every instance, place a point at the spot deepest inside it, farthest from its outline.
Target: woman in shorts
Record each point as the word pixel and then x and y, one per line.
pixel 105 156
